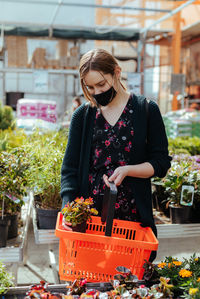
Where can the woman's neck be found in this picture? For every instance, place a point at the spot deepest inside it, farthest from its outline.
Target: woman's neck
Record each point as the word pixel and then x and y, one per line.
pixel 121 97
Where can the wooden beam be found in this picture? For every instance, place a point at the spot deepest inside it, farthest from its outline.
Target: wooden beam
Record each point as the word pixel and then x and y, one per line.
pixel 176 50
pixel 139 16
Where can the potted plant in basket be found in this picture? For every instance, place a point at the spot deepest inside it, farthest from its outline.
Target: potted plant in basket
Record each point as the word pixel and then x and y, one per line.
pixel 13 184
pixel 77 213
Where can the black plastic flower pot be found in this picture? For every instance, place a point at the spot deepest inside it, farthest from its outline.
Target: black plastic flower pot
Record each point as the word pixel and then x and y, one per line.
pixel 13 227
pixel 4 224
pixel 81 227
pixel 46 218
pixel 180 214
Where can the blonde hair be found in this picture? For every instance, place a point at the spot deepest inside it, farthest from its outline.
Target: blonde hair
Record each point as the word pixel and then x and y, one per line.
pixel 96 60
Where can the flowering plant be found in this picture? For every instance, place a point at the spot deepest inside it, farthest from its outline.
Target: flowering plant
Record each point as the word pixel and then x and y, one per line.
pixel 79 211
pixel 183 275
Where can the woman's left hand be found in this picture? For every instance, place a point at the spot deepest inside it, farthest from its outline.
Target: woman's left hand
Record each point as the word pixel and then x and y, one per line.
pixel 118 175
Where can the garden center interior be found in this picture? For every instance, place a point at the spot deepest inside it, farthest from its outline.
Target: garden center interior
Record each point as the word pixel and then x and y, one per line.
pixel 157 45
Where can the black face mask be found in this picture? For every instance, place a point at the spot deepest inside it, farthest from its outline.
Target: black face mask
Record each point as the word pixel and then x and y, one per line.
pixel 106 97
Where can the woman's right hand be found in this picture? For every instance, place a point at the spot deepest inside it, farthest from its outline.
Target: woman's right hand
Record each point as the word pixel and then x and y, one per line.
pixel 105 178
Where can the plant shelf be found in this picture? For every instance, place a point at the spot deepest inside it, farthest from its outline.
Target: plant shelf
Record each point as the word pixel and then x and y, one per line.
pixel 16 248
pixel 43 236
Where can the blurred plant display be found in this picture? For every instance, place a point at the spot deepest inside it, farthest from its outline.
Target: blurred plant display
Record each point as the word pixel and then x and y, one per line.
pixel 184 145
pixel 14 180
pixel 6 117
pixel 6 279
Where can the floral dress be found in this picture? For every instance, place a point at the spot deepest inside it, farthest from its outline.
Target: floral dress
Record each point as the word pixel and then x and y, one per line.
pixel 111 148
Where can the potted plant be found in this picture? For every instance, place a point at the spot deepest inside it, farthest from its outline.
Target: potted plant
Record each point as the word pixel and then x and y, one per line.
pixel 6 279
pixel 182 275
pixel 46 154
pixel 77 213
pixel 183 172
pixel 13 184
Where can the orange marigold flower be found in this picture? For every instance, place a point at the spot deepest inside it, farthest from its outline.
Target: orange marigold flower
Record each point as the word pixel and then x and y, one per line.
pixel 161 265
pixel 177 263
pixel 198 279
pixel 185 273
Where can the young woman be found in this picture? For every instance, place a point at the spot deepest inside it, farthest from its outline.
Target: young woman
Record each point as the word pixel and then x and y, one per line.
pixel 114 137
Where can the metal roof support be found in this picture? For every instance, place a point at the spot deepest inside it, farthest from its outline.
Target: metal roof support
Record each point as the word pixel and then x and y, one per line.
pixel 88 5
pixel 2 38
pixel 54 17
pixel 143 34
pixel 168 15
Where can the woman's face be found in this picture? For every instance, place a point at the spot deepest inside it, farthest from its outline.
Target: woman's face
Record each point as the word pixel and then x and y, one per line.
pixel 97 82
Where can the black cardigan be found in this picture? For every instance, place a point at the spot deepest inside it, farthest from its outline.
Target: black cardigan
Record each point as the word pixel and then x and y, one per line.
pixel 150 145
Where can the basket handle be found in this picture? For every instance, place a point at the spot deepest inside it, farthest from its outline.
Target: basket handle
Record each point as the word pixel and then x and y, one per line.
pixel 108 209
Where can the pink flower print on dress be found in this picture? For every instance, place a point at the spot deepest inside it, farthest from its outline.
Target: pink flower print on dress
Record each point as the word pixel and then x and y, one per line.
pixel 128 147
pixel 107 143
pixel 117 206
pixel 97 152
pixel 95 191
pixel 121 123
pixel 90 178
pixel 132 132
pixel 122 163
pixel 108 161
pixel 106 125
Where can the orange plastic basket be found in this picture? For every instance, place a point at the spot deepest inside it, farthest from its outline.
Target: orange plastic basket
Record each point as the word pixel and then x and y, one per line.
pixel 94 256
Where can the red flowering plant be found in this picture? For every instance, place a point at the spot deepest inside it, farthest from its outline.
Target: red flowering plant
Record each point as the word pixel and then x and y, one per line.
pixel 78 211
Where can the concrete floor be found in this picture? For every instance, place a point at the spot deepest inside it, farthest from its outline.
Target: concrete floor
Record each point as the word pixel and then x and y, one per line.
pixel 38 257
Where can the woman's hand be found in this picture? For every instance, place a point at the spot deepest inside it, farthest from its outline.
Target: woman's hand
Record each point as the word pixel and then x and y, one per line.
pixel 117 177
pixel 65 226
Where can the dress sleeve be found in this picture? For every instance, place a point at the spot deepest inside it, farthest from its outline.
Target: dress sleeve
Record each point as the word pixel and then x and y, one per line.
pixel 71 160
pixel 157 143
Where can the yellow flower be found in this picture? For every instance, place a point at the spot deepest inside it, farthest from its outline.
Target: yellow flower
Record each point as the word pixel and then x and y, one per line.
pixel 193 291
pixel 177 263
pixel 161 265
pixel 164 282
pixel 185 273
pixel 94 211
pixel 196 259
pixel 198 279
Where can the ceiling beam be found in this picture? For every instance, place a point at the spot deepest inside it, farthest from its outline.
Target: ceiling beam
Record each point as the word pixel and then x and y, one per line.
pixel 165 17
pixel 72 4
